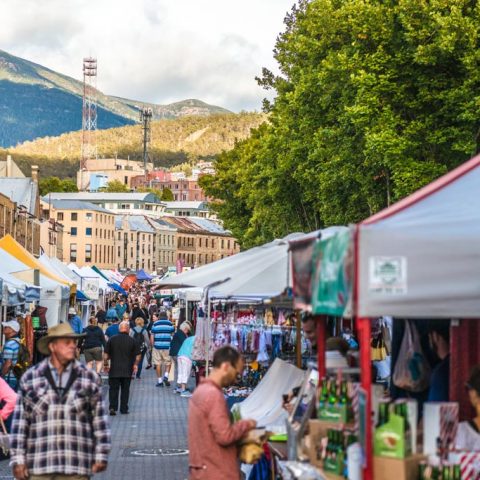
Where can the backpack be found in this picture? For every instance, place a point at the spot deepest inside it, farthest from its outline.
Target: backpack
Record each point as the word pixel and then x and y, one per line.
pixel 23 360
pixel 140 340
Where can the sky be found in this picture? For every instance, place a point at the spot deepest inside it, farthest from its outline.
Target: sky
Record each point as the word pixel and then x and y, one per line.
pixel 158 51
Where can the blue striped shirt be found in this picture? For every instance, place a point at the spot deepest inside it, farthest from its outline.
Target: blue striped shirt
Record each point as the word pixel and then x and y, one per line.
pixel 10 352
pixel 162 331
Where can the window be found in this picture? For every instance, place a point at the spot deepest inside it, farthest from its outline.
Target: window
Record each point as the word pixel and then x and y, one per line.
pixel 143 237
pixel 119 253
pixel 119 235
pixel 213 243
pixel 88 232
pixel 73 231
pixel 60 216
pixel 96 217
pixel 88 252
pixel 131 237
pixel 88 217
pixel 223 244
pixel 74 216
pixel 200 258
pixel 200 242
pixel 131 251
pixel 228 244
pixel 73 252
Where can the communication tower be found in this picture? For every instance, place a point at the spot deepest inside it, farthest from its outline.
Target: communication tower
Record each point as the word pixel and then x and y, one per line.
pixel 89 116
pixel 146 119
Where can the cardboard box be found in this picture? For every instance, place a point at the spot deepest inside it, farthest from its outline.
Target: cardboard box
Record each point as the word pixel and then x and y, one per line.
pixel 390 439
pixel 385 468
pixel 469 463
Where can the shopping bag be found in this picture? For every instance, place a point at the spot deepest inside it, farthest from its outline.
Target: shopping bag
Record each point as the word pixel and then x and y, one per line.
pixel 4 441
pixel 387 339
pixel 377 349
pixel 412 370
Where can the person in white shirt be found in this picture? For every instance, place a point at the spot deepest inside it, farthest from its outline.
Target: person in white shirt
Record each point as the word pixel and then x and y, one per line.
pixel 468 433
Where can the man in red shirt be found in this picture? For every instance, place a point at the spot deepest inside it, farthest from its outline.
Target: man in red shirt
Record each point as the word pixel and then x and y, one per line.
pixel 212 438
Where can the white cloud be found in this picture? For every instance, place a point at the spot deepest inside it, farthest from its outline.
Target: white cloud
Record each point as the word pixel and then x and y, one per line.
pixel 153 50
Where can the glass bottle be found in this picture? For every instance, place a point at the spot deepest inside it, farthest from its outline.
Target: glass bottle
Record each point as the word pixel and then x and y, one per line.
pixel 457 473
pixel 344 393
pixel 383 415
pixel 332 397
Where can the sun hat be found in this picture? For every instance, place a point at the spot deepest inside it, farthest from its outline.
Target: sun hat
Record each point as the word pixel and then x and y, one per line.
pixel 72 311
pixel 62 330
pixel 13 324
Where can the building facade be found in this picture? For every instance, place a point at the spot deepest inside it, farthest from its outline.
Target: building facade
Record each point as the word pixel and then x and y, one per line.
pixel 166 238
pixel 89 232
pixel 51 238
pixel 136 243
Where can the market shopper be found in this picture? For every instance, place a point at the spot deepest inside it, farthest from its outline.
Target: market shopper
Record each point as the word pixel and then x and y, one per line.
pixel 124 356
pixel 11 330
pixel 184 363
pixel 161 338
pixel 177 341
pixel 101 317
pixel 140 334
pixel 121 308
pixel 439 337
pixel 75 321
pixel 60 428
pixel 93 345
pixel 112 315
pixel 212 438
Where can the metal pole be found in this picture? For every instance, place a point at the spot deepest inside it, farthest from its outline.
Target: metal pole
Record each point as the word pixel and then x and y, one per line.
pixel 207 353
pixel 298 346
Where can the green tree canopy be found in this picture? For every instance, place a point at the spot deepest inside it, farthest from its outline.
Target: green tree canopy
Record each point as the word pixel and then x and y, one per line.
pixel 167 195
pixel 54 184
pixel 374 100
pixel 115 186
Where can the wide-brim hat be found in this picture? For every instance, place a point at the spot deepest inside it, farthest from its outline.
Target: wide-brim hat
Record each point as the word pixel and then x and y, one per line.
pixel 62 330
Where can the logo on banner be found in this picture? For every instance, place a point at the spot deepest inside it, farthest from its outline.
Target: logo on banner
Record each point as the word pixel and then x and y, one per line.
pixel 90 287
pixel 388 275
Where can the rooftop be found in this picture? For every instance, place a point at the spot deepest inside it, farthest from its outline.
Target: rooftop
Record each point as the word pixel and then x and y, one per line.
pixel 105 197
pixel 22 191
pixel 136 223
pixel 196 225
pixel 76 205
pixel 186 205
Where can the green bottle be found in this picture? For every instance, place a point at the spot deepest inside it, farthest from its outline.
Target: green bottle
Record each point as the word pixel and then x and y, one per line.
pixel 323 394
pixel 457 473
pixel 421 470
pixel 332 397
pixel 446 472
pixel 383 415
pixel 344 393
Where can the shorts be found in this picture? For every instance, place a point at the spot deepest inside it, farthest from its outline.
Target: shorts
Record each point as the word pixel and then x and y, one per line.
pixel 184 369
pixel 95 353
pixel 161 357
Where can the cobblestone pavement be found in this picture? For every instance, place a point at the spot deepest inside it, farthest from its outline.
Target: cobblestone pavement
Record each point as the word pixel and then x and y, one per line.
pixel 157 421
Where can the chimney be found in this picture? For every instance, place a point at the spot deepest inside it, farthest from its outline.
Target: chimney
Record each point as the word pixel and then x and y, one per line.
pixel 8 173
pixel 35 171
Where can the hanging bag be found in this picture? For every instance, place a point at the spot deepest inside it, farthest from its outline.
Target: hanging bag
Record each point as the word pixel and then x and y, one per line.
pixel 377 348
pixel 412 370
pixel 4 441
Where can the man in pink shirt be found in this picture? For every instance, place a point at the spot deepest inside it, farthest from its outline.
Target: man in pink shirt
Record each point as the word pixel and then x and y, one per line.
pixel 212 438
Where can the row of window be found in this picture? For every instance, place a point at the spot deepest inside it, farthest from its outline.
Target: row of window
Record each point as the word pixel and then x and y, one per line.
pixel 204 243
pixel 103 218
pixel 106 250
pixel 88 232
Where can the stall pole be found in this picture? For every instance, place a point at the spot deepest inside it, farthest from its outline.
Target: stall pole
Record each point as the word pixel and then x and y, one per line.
pixel 298 346
pixel 207 353
pixel 321 342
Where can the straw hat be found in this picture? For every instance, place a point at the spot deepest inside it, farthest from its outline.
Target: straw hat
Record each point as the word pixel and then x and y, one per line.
pixel 62 330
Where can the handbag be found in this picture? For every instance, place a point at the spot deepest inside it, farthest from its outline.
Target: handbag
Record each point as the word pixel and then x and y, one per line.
pixel 4 441
pixel 378 350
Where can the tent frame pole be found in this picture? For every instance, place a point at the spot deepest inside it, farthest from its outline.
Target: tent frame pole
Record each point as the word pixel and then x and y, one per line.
pixel 209 333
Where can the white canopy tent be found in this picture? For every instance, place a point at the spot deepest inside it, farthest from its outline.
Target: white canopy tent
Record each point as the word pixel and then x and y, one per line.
pixel 421 257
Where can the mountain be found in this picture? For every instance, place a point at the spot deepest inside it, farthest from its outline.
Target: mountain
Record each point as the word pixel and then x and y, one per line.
pixel 38 102
pixel 183 139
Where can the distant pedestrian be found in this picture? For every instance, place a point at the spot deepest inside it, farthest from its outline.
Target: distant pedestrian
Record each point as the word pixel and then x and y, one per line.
pixel 75 321
pixel 212 437
pixel 184 362
pixel 93 345
pixel 153 307
pixel 101 317
pixel 161 338
pixel 140 335
pixel 121 308
pixel 11 329
pixel 60 428
pixel 112 315
pixel 124 356
pixel 178 338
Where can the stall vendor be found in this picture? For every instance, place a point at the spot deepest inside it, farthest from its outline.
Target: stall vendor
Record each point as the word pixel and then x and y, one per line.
pixel 468 434
pixel 439 337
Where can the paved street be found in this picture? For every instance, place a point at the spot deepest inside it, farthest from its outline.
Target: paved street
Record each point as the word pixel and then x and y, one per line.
pixel 157 421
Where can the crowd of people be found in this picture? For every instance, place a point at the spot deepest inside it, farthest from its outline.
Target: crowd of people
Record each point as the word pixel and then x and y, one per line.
pixel 56 411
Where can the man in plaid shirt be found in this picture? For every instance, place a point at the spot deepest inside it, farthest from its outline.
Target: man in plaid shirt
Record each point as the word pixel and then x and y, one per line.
pixel 60 427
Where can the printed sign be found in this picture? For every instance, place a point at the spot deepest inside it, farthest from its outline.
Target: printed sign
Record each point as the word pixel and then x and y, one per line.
pixel 90 287
pixel 388 275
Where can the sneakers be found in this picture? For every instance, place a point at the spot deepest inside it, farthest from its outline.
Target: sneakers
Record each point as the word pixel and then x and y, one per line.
pixel 177 390
pixel 166 382
pixel 159 384
pixel 186 394
pixel 112 412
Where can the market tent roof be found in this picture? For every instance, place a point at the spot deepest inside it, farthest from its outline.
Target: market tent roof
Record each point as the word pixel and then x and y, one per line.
pixel 74 277
pixel 142 275
pixel 421 257
pixel 260 272
pixel 11 246
pixel 18 290
pixel 87 272
pixel 96 269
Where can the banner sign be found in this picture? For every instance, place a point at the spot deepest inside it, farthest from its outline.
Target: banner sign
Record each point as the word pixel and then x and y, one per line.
pixel 90 287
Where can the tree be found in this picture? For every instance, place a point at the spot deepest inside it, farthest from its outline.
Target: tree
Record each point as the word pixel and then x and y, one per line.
pixel 167 195
pixel 115 186
pixel 55 184
pixel 374 100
